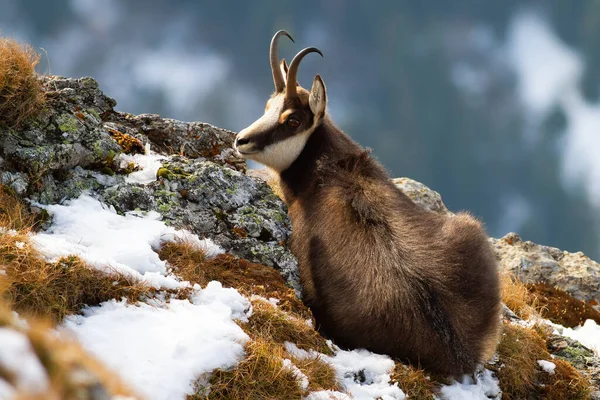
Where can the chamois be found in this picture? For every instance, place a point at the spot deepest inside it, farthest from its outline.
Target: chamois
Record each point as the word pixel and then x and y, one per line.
pixel 377 271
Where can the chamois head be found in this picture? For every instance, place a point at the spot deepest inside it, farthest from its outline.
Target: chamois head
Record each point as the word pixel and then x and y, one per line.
pixel 292 113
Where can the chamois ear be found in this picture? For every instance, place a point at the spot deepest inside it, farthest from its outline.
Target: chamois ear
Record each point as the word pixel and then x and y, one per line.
pixel 318 97
pixel 284 69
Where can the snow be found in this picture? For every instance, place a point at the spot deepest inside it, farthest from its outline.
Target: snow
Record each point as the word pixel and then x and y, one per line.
pixel 376 369
pixel 111 242
pixel 302 379
pixel 327 395
pixel 18 358
pixel 588 334
pixel 148 164
pixel 547 366
pixel 161 349
pixel 484 386
pixel 364 375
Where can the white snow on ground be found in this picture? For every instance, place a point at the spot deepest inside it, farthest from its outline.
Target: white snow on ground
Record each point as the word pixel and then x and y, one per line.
pixel 549 74
pixel 148 165
pixel 162 349
pixel 302 379
pixel 484 386
pixel 364 375
pixel 547 366
pixel 18 358
pixel 109 241
pixel 588 334
pixel 374 383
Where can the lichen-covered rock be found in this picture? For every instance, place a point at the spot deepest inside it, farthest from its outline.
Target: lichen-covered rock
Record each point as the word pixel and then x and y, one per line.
pixel 75 146
pixel 574 273
pixel 422 195
pixel 579 356
pixel 240 213
pixel 67 134
pixel 191 139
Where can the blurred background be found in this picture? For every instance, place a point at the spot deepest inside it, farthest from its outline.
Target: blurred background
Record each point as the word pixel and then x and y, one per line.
pixel 492 103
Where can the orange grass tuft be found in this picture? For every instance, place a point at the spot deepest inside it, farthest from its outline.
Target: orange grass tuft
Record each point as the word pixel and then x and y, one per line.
pixel 21 93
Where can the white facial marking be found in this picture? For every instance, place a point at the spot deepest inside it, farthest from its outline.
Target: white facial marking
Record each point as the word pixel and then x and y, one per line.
pixel 268 120
pixel 280 155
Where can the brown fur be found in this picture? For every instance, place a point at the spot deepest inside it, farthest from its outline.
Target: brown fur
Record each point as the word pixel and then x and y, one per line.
pixel 383 274
pixel 377 271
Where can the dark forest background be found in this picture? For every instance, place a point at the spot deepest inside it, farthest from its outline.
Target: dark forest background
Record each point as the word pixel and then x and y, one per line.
pixel 431 86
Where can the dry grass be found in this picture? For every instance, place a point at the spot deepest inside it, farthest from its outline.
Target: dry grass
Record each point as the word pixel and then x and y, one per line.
pixel 516 296
pixel 565 383
pixel 320 374
pixel 560 307
pixel 272 324
pixel 130 144
pixel 260 375
pixel 191 264
pixel 21 92
pixel 72 372
pixel 520 375
pixel 414 382
pixel 35 287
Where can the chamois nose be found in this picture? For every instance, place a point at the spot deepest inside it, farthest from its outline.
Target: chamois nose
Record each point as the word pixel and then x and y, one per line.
pixel 241 141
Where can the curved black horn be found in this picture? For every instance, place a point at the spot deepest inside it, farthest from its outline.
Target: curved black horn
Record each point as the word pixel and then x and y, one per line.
pixel 274 57
pixel 293 71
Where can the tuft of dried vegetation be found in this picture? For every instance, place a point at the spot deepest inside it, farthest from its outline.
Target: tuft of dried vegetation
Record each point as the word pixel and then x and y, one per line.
pixel 520 375
pixel 21 93
pixel 72 373
pixel 248 278
pixel 320 374
pixel 260 375
pixel 516 296
pixel 560 307
pixel 414 382
pixel 36 287
pixel 271 324
pixel 130 144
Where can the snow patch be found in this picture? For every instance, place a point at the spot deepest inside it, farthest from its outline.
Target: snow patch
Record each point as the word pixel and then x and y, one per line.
pixel 547 366
pixel 18 358
pixel 364 375
pixel 161 350
pixel 148 165
pixel 111 242
pixel 588 334
pixel 484 386
pixel 302 379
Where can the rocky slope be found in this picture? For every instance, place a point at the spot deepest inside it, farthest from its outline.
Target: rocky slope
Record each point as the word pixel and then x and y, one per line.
pixel 80 144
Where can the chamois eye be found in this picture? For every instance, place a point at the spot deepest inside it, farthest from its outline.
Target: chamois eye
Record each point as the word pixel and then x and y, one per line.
pixel 293 122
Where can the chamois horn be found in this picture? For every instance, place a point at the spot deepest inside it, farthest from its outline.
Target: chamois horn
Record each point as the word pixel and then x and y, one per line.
pixel 274 57
pixel 293 71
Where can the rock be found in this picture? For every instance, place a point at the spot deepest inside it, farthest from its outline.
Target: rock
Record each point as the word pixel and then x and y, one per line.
pixel 75 146
pixel 66 135
pixel 422 195
pixel 574 273
pixel 191 139
pixel 579 356
pixel 238 212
